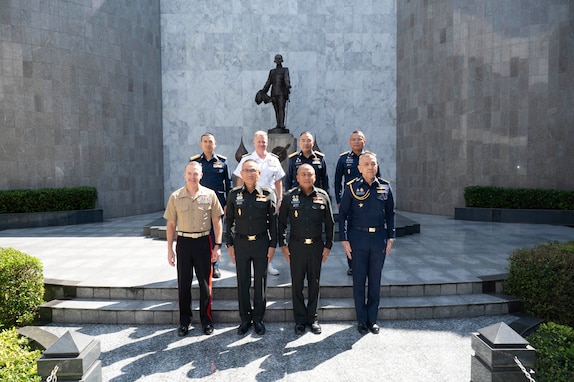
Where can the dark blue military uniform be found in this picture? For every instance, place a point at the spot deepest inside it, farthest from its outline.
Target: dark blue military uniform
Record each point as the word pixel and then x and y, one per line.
pixel 367 221
pixel 316 160
pixel 347 169
pixel 307 215
pixel 216 175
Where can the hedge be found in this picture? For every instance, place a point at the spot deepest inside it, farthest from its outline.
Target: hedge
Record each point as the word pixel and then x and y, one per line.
pixel 21 288
pixel 554 346
pixel 543 278
pixel 518 198
pixel 48 199
pixel 17 359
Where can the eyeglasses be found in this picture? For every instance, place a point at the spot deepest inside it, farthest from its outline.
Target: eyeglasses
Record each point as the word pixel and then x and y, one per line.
pixel 250 170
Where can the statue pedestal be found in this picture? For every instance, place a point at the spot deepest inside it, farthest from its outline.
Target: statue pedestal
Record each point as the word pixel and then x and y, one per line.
pixel 277 130
pixel 281 145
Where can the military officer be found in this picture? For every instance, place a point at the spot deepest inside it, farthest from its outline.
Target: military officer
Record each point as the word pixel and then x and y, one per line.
pixel 271 173
pixel 347 170
pixel 192 211
pixel 251 233
pixel 307 156
pixel 367 230
pixel 216 176
pixel 307 208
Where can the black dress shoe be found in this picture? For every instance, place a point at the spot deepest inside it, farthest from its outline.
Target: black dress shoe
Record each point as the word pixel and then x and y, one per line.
pixel 362 328
pixel 259 327
pixel 182 331
pixel 299 329
pixel 374 328
pixel 244 328
pixel 315 328
pixel 208 329
pixel 216 273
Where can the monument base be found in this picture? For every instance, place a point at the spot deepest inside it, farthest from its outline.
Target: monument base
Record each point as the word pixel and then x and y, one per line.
pixel 278 130
pixel 281 145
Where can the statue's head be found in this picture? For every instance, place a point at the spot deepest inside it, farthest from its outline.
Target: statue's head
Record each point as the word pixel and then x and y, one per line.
pixel 278 58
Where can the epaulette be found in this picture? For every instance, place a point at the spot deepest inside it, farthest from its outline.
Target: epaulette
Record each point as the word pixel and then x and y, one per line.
pixel 345 153
pixel 191 159
pixel 275 155
pixel 319 154
pixel 351 181
pixel 292 190
pixel 222 157
pixel 293 154
pixel 384 180
pixel 235 188
pixel 246 154
pixel 321 191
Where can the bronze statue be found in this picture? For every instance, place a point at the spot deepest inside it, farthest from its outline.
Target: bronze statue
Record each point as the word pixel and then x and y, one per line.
pixel 280 85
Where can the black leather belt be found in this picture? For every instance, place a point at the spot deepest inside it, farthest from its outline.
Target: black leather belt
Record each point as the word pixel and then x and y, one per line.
pixel 305 240
pixel 253 237
pixel 369 229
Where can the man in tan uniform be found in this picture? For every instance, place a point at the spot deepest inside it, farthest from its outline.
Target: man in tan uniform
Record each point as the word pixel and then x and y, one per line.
pixel 193 210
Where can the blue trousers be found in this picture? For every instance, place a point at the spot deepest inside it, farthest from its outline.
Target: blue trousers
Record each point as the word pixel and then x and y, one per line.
pixel 368 251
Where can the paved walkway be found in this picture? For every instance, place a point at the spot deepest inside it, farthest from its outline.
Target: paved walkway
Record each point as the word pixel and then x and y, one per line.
pixel 114 253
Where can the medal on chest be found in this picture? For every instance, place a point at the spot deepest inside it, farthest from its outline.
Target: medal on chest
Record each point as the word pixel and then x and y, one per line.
pixel 202 199
pixel 360 193
pixel 295 202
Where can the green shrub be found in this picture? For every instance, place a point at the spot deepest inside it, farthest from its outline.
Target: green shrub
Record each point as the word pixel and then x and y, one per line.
pixel 48 199
pixel 518 198
pixel 21 287
pixel 543 277
pixel 17 359
pixel 554 346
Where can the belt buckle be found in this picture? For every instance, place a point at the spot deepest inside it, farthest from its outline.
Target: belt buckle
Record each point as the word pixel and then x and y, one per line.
pixel 372 229
pixel 194 235
pixel 308 241
pixel 251 237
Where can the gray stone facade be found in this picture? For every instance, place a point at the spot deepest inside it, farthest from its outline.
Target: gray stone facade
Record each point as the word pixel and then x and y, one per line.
pixel 216 55
pixel 80 99
pixel 450 93
pixel 485 96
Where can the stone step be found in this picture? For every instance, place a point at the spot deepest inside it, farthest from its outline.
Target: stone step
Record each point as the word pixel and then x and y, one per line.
pixel 168 291
pixel 164 311
pixel 403 226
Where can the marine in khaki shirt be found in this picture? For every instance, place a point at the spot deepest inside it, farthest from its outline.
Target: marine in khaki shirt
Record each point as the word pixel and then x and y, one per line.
pixel 192 210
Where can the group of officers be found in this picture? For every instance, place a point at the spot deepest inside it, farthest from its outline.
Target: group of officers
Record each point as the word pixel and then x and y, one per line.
pixel 261 211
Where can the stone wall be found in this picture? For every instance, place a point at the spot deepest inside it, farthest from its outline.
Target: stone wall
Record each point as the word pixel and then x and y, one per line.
pixel 485 96
pixel 80 99
pixel 216 55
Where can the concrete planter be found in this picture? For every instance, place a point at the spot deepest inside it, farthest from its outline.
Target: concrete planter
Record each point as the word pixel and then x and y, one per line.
pixel 504 215
pixel 45 219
